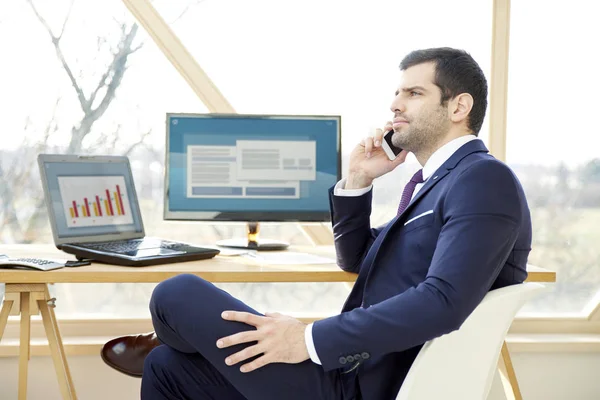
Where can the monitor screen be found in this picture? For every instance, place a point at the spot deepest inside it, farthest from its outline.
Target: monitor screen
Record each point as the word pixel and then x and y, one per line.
pixel 238 167
pixel 90 197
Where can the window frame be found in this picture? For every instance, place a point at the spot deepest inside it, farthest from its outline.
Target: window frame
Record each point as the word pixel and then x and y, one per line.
pixel 570 332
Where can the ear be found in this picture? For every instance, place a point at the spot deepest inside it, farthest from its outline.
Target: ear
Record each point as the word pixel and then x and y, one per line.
pixel 460 107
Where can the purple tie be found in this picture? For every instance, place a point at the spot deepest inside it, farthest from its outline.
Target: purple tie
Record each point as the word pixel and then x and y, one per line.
pixel 409 190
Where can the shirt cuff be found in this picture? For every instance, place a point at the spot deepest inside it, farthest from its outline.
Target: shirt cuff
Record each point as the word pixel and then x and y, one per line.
pixel 310 344
pixel 340 191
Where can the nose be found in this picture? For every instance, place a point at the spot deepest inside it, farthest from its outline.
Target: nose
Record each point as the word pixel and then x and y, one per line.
pixel 397 105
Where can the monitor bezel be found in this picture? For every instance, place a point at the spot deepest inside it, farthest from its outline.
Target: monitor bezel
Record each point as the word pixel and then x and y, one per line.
pixel 247 216
pixel 43 159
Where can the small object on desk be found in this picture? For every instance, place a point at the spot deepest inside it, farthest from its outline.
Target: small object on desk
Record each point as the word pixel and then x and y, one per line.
pixel 229 252
pixel 289 258
pixel 78 263
pixel 29 263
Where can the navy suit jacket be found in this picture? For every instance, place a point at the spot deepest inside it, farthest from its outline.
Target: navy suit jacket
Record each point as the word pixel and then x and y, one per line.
pixel 468 230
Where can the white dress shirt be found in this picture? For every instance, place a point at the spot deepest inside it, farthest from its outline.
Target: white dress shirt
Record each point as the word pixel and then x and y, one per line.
pixel 439 157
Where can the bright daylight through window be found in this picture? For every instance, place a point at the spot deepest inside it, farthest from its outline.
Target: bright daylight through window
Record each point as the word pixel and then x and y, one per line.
pixel 89 80
pixel 552 144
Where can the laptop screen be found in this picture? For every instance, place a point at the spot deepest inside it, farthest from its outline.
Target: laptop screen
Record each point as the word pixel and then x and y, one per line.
pixel 90 197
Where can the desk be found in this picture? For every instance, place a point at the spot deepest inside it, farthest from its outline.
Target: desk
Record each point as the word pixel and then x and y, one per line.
pixel 32 289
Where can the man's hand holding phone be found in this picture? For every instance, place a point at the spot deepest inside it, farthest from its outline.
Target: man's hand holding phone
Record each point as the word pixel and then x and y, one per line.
pixel 370 160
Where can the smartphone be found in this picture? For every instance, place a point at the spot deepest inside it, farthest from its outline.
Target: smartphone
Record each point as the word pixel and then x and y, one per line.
pixel 388 147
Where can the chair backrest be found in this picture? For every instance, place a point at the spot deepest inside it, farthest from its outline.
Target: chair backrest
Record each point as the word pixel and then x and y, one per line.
pixel 461 364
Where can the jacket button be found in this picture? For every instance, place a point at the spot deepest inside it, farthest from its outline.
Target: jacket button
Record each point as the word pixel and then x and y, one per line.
pixel 342 360
pixel 350 359
pixel 365 356
pixel 357 357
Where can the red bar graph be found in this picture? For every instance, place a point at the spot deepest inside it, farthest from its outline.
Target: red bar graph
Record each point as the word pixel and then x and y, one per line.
pixel 98 205
pixel 110 206
pixel 87 207
pixel 95 201
pixel 83 210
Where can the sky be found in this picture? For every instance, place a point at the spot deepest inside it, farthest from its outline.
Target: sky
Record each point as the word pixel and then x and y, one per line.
pixel 308 57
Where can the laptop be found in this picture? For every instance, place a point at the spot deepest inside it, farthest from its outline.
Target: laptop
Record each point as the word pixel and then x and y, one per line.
pixel 95 214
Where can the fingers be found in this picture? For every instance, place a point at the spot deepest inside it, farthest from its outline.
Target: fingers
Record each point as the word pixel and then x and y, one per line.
pixel 400 158
pixel 241 337
pixel 379 133
pixel 388 126
pixel 378 137
pixel 246 318
pixel 368 143
pixel 256 364
pixel 374 142
pixel 274 315
pixel 243 355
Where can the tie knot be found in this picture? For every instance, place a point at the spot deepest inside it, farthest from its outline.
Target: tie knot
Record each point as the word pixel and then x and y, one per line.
pixel 418 177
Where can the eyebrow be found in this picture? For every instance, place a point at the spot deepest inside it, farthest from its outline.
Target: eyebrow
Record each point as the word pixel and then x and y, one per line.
pixel 410 89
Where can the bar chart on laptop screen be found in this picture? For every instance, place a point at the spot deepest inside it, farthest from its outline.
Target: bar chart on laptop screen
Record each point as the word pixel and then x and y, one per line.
pixel 95 200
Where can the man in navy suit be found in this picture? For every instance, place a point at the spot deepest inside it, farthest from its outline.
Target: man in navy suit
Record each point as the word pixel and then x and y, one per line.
pixel 463 227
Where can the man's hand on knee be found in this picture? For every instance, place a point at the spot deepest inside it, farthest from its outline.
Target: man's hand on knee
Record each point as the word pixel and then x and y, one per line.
pixel 280 339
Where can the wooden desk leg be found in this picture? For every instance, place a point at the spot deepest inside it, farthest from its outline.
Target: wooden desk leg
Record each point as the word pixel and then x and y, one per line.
pixel 63 374
pixel 24 344
pixel 508 376
pixel 6 307
pixel 32 294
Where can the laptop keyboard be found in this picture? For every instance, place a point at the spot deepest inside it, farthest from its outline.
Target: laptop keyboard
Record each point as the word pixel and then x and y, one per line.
pixel 132 245
pixel 140 251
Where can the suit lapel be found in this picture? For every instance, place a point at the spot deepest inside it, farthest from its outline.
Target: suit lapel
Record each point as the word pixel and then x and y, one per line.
pixel 431 182
pixel 474 146
pixel 471 147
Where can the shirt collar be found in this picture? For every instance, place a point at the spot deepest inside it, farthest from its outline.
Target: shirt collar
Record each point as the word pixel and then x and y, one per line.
pixel 441 155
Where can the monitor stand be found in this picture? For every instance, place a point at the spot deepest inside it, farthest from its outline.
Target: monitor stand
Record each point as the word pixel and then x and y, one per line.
pixel 252 242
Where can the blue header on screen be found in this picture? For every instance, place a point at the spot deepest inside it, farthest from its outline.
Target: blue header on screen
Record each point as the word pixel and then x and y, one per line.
pixel 186 130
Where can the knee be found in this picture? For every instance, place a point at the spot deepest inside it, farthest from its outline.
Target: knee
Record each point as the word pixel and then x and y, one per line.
pixel 161 364
pixel 176 293
pixel 156 362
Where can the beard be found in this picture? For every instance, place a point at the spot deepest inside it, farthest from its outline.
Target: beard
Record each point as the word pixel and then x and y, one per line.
pixel 424 131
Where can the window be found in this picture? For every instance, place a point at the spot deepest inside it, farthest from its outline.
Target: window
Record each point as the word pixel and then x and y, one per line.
pixel 134 86
pixel 326 57
pixel 552 143
pixel 308 57
pixel 323 57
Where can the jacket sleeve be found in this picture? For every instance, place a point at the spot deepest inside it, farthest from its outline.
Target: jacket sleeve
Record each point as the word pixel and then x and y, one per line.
pixel 352 232
pixel 482 216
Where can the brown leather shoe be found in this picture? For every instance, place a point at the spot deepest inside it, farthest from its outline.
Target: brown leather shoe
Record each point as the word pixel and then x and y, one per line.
pixel 126 354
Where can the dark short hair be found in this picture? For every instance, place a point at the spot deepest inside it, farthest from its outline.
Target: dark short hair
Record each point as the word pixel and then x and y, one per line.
pixel 456 72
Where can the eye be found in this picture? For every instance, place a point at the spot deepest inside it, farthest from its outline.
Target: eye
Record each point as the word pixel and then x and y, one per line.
pixel 413 94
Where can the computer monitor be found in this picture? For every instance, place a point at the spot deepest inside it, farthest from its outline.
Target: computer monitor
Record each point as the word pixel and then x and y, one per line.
pixel 251 168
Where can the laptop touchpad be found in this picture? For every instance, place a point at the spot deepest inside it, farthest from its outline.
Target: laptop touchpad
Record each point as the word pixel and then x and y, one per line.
pixel 144 253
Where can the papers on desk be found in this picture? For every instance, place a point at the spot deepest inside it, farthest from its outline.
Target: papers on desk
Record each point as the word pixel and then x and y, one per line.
pixel 288 258
pixel 224 251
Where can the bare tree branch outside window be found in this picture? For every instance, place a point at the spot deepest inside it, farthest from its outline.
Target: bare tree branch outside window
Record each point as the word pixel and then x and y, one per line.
pixel 18 182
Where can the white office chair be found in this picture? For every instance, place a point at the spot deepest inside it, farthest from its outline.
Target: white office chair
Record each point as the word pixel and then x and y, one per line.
pixel 461 364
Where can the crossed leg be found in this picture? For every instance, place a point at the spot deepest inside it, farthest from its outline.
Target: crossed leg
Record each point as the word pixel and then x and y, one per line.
pixel 186 313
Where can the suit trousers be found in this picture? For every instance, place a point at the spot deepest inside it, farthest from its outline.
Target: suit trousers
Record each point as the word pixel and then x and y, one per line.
pixel 186 313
